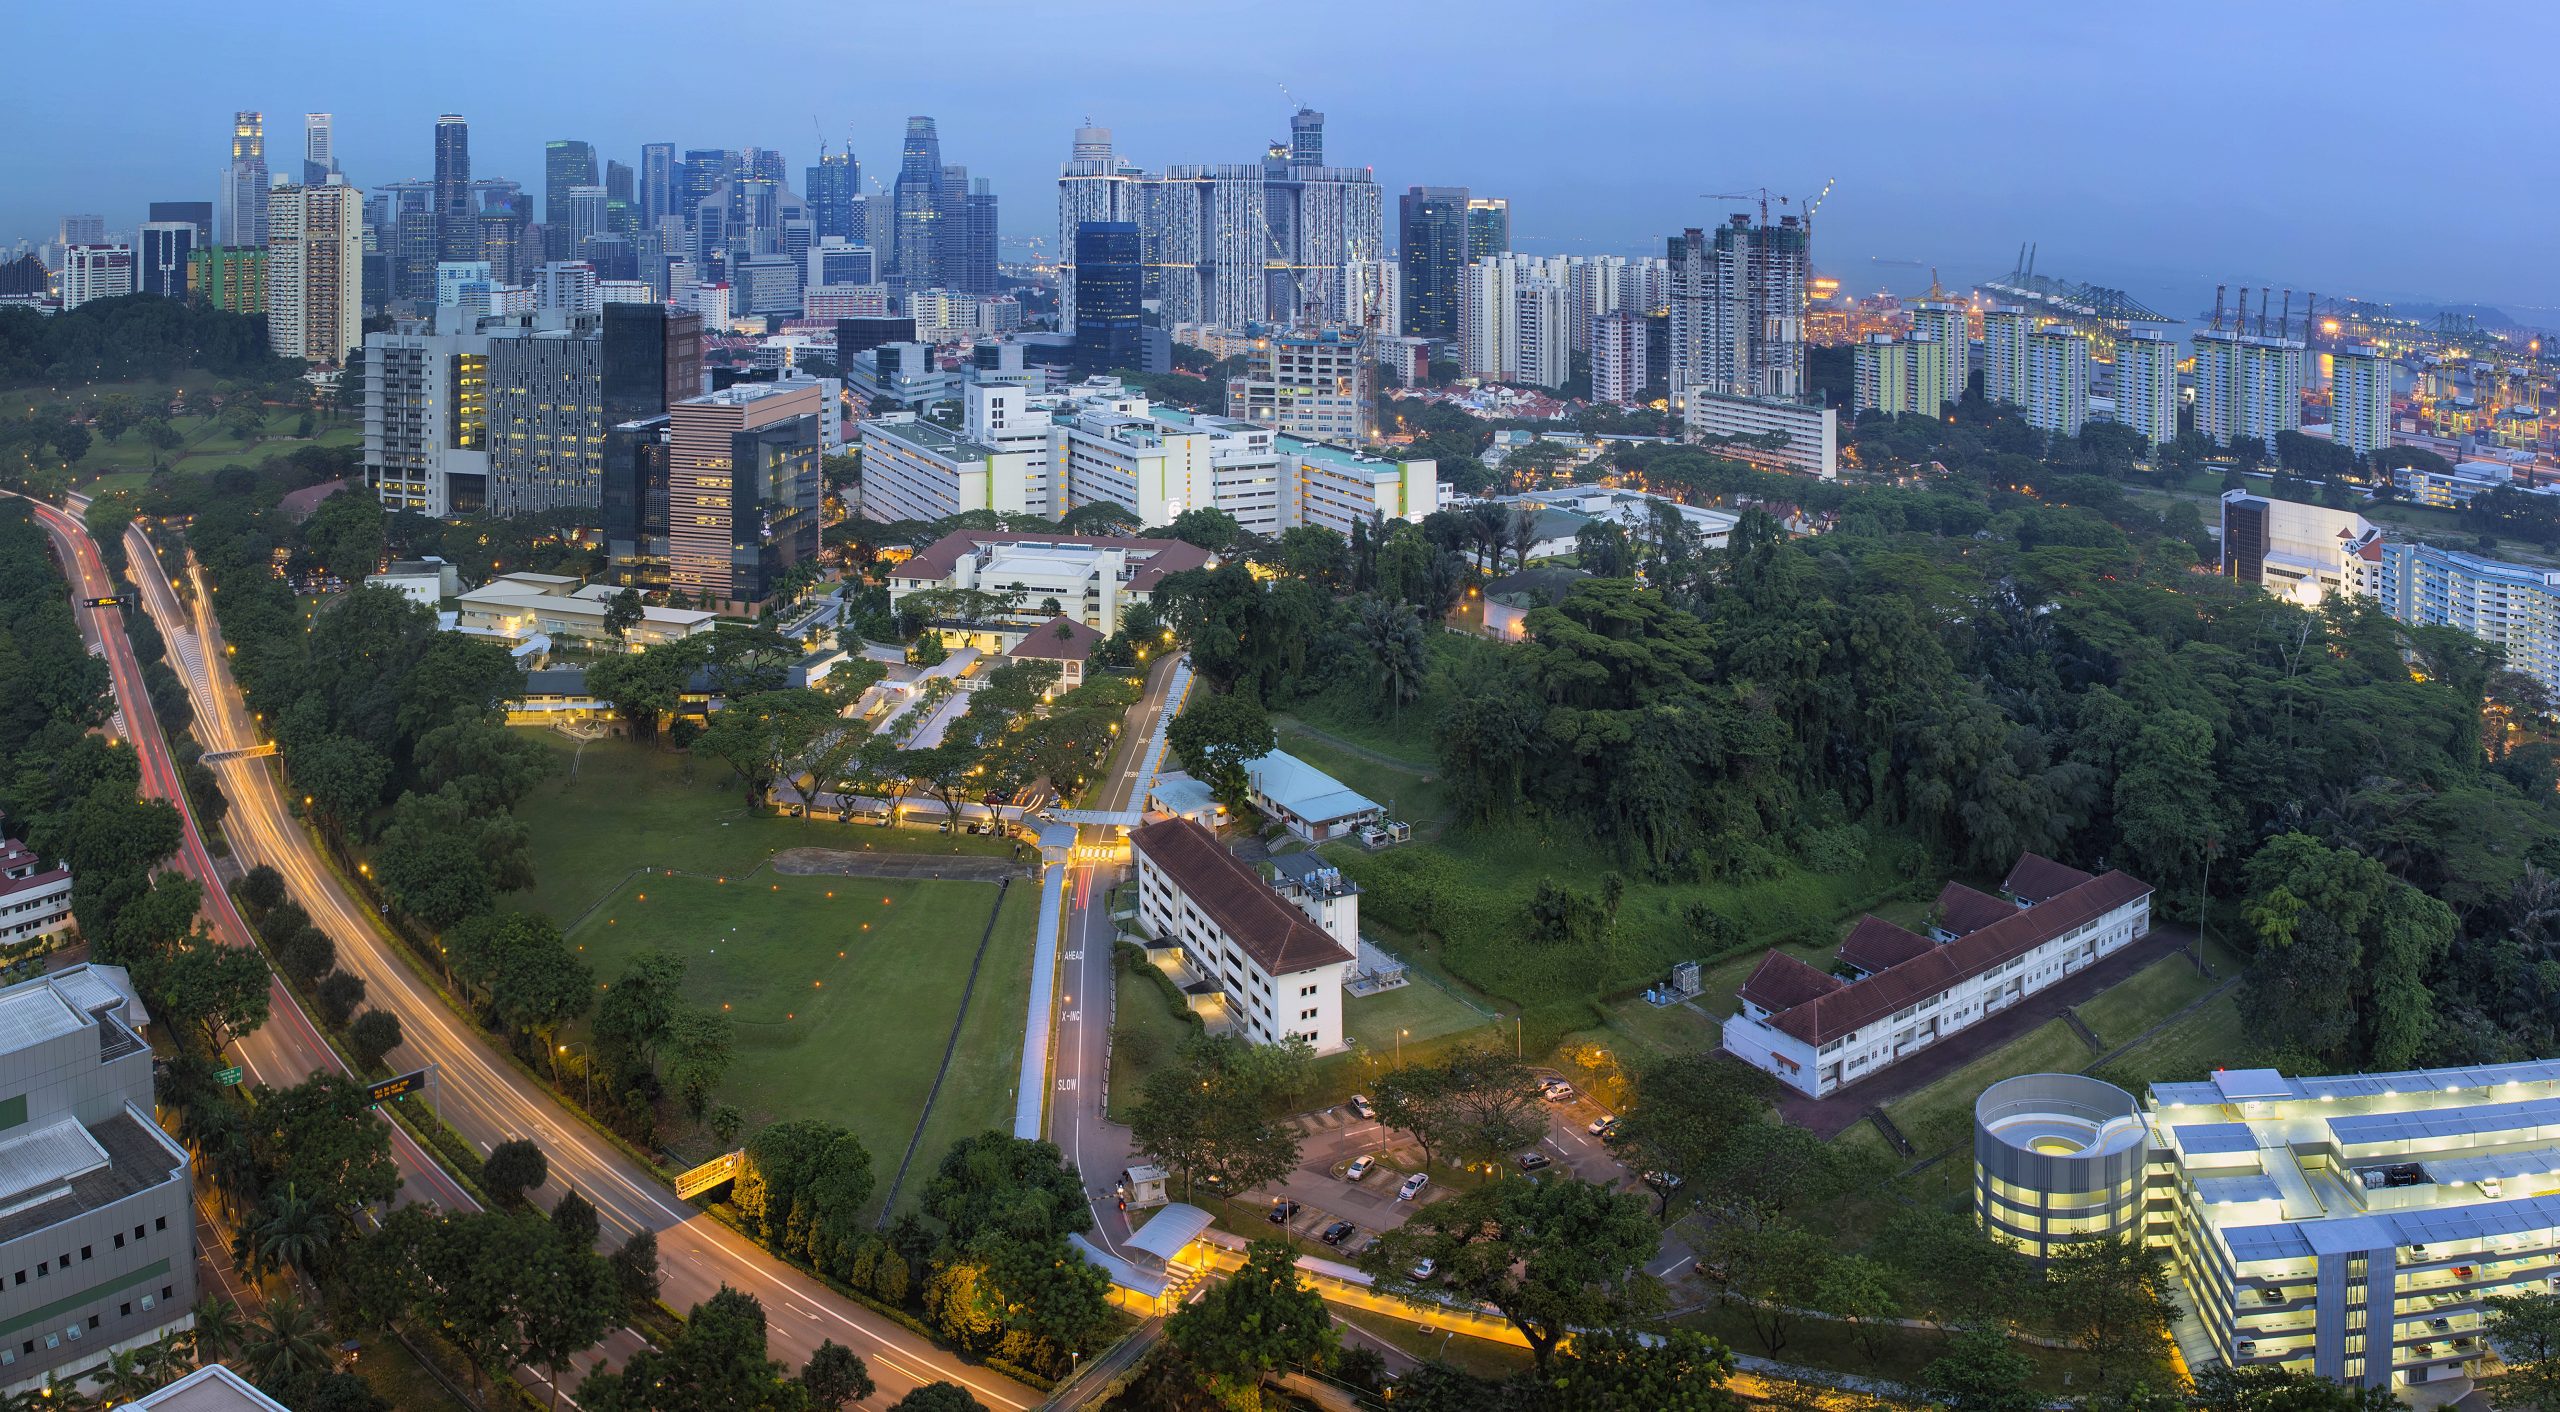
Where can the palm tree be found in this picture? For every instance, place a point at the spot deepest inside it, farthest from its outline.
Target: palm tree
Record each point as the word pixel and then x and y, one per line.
pixel 292 1231
pixel 287 1342
pixel 218 1329
pixel 1392 636
pixel 124 1378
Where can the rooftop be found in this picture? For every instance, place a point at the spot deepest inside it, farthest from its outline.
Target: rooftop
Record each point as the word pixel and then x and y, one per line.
pixel 211 1388
pixel 49 1176
pixel 1061 639
pixel 1304 790
pixel 1276 935
pixel 1155 557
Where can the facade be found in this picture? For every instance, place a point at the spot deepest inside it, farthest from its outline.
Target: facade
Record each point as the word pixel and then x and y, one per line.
pixel 241 210
pixel 1820 1031
pixel 1811 435
pixel 168 249
pixel 2057 380
pixel 1432 242
pixel 1279 972
pixel 319 148
pixel 546 421
pixel 1093 188
pixel 2302 553
pixel 457 225
pixel 742 491
pixel 95 272
pixel 98 1246
pixel 1110 284
pixel 1737 300
pixel 229 277
pixel 2348 1227
pixel 566 165
pixel 426 420
pixel 1311 384
pixel 1094 580
pixel 1305 800
pixel 1488 227
pixel 516 608
pixel 1898 376
pixel 2146 385
pixel 2360 400
pixel 35 901
pixel 916 205
pixel 2005 335
pixel 1618 371
pixel 315 271
pixel 2511 605
pixel 1947 322
pixel 2247 387
pixel 195 213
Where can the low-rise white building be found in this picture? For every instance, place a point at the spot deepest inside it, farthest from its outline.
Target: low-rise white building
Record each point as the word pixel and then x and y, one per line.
pixel 1280 972
pixel 429 581
pixel 1093 579
pixel 521 606
pixel 1798 437
pixel 2300 553
pixel 35 901
pixel 1305 800
pixel 1820 1032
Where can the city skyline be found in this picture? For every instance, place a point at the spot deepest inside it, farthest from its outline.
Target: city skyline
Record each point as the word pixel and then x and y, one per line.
pixel 1614 169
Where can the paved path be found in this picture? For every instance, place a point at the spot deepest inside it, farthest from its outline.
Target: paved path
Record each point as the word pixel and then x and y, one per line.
pixel 1828 1117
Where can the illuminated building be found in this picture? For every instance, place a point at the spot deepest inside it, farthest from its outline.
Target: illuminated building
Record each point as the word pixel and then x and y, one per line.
pixel 1945 321
pixel 315 271
pixel 2247 386
pixel 2146 385
pixel 1432 238
pixel 1900 375
pixel 742 491
pixel 95 272
pixel 1617 359
pixel 229 277
pixel 2360 400
pixel 2058 380
pixel 1737 301
pixel 2005 333
pixel 2513 606
pixel 1309 384
pixel 242 207
pixel 1488 227
pixel 2300 553
pixel 1514 312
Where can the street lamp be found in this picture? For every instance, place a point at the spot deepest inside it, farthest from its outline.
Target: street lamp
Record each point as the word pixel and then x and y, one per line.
pixel 590 1071
pixel 1400 1034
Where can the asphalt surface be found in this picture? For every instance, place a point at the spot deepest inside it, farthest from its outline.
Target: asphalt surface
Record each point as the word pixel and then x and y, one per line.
pixel 486 1100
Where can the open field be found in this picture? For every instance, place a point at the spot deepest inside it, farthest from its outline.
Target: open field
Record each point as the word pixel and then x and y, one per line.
pixel 1410 792
pixel 978 1093
pixel 2190 1048
pixel 1145 1031
pixel 615 807
pixel 2152 995
pixel 843 992
pixel 1940 1116
pixel 1414 1011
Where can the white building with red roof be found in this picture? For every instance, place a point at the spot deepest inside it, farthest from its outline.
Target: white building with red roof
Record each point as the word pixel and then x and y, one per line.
pixel 35 901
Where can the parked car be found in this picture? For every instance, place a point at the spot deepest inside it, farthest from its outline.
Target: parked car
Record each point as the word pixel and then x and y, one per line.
pixel 1283 1211
pixel 1601 1125
pixel 2490 1188
pixel 1664 1181
pixel 1556 1090
pixel 1337 1233
pixel 1423 1267
pixel 1362 1108
pixel 1532 1161
pixel 1413 1186
pixel 1359 1167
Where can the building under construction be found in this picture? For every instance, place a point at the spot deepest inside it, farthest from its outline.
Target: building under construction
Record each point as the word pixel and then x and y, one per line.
pixel 2102 313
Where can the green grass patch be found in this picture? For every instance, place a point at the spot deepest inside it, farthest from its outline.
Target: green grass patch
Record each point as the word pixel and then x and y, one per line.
pixel 986 1069
pixel 842 1004
pixel 1898 1353
pixel 1940 1117
pixel 1670 1029
pixel 615 806
pixel 2191 1048
pixel 2146 998
pixel 396 1375
pixel 1350 710
pixel 1146 1028
pixel 1416 1010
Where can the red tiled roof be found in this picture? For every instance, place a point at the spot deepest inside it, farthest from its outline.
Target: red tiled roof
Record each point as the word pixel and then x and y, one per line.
pixel 1276 935
pixel 2037 877
pixel 1044 644
pixel 1154 558
pixel 1827 1017
pixel 1782 982
pixel 1963 909
pixel 1874 943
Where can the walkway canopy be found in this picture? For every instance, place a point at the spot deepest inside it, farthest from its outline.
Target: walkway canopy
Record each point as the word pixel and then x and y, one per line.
pixel 1172 1228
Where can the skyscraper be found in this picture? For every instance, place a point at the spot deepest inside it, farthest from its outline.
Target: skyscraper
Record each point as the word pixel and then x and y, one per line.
pixel 565 164
pixel 1617 358
pixel 1306 138
pixel 2004 355
pixel 195 213
pixel 1110 282
pixel 2147 385
pixel 84 230
pixel 742 484
pixel 1944 320
pixel 916 206
pixel 1432 235
pixel 2058 379
pixel 319 148
pixel 969 257
pixel 243 202
pixel 2360 400
pixel 657 182
pixel 2247 386
pixel 1092 188
pixel 832 185
pixel 95 272
pixel 1737 309
pixel 457 226
pixel 1488 227
pixel 315 271
pixel 705 168
pixel 161 263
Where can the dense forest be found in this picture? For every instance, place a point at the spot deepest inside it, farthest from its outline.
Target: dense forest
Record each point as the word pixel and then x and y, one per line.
pixel 134 337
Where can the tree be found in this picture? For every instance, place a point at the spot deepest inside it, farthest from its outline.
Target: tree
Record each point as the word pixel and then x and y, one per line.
pixel 291 1232
pixel 573 1219
pixel 1980 1372
pixel 1215 735
pixel 802 1190
pixel 698 1054
pixel 2112 1297
pixel 1220 1110
pixel 340 994
pixel 622 612
pixel 717 1360
pixel 1259 1321
pixel 261 888
pixel 1018 1186
pixel 569 1299
pixel 1775 1272
pixel 2525 1330
pixel 219 1329
pixel 345 534
pixel 521 965
pixel 938 1397
pixel 2344 954
pixel 1686 1109
pixel 1551 1256
pixel 2223 1388
pixel 635 1268
pixel 513 1168
pixel 223 989
pixel 286 1343
pixel 1391 635
pixel 776 736
pixel 834 1376
pixel 637 1015
pixel 1211 529
pixel 646 687
pixel 1677 1371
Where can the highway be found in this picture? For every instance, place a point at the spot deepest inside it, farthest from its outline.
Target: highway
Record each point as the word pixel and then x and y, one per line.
pixel 288 1048
pixel 485 1098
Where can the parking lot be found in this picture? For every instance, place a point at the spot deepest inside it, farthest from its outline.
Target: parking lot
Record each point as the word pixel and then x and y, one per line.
pixel 1331 1138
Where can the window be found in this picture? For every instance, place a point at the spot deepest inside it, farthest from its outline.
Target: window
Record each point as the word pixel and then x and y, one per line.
pixel 94 1321
pixel 159 1223
pixel 168 1291
pixel 53 1340
pixel 147 1301
pixel 43 1268
pixel 84 1252
pixel 119 1240
pixel 125 1311
pixel 72 1333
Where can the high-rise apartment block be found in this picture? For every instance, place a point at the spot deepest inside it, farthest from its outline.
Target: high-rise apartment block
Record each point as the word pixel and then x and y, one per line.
pixel 1618 372
pixel 1309 383
pixel 1432 245
pixel 742 491
pixel 1737 303
pixel 2005 333
pixel 1516 312
pixel 546 420
pixel 2146 385
pixel 2058 380
pixel 1945 321
pixel 1900 376
pixel 315 271
pixel 229 277
pixel 2360 400
pixel 161 263
pixel 95 272
pixel 2247 387
pixel 99 1246
pixel 242 208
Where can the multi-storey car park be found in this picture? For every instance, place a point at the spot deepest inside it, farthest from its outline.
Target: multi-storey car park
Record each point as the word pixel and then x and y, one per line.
pixel 2351 1227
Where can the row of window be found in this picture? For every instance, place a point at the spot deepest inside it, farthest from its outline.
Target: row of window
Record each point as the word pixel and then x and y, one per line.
pixel 72 1331
pixel 46 1267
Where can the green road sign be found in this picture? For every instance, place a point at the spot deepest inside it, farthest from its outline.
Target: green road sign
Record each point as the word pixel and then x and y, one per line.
pixel 228 1077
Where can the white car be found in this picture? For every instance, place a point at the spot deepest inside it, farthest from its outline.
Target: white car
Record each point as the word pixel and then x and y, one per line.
pixel 1361 1108
pixel 1359 1167
pixel 1602 1124
pixel 1556 1090
pixel 1413 1186
pixel 1423 1267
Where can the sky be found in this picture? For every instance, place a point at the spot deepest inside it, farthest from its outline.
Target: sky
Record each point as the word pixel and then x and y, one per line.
pixel 2352 147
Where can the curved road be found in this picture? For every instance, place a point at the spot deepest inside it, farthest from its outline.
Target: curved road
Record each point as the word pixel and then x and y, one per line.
pixel 483 1096
pixel 288 1048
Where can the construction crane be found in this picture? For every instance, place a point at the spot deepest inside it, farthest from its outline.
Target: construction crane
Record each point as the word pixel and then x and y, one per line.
pixel 1816 203
pixel 1760 194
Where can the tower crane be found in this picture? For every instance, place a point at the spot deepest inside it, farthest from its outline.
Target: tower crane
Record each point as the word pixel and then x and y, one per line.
pixel 1760 194
pixel 1816 204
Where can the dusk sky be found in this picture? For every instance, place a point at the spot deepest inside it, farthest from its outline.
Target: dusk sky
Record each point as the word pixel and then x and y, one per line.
pixel 2353 148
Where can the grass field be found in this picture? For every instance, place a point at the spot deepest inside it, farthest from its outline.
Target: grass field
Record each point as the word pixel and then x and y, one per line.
pixel 1145 1031
pixel 1415 1011
pixel 1411 793
pixel 1670 1029
pixel 843 1003
pixel 2150 995
pixel 627 806
pixel 2190 1048
pixel 1940 1116
pixel 986 1068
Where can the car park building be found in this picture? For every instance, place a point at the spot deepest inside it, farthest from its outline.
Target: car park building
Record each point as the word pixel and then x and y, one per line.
pixel 1897 992
pixel 2350 1226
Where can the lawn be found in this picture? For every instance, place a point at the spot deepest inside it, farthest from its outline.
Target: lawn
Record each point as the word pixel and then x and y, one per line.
pixel 2149 996
pixel 1940 1117
pixel 1144 1031
pixel 844 992
pixel 1671 1029
pixel 1412 793
pixel 979 1092
pixel 615 807
pixel 1415 1011
pixel 2209 1037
